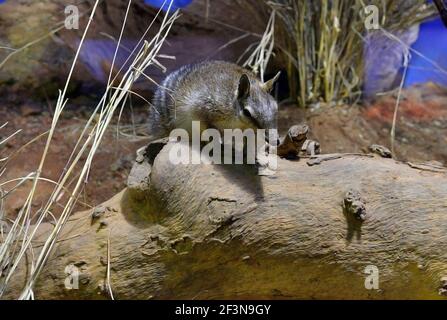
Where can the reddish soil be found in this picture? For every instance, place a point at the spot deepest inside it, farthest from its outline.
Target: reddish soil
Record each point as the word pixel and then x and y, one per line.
pixel 108 174
pixel 421 126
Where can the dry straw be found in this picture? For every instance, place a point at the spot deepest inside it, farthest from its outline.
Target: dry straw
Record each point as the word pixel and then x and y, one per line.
pixel 18 241
pixel 318 42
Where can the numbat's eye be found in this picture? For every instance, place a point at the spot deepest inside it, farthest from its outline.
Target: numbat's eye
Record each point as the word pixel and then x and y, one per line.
pixel 247 113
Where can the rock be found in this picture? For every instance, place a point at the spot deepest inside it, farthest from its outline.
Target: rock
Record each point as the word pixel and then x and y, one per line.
pixel 311 148
pixel 383 59
pixel 384 152
pixel 98 212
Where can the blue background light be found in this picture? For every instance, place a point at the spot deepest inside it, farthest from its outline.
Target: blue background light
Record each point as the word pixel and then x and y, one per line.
pixel 432 43
pixel 176 4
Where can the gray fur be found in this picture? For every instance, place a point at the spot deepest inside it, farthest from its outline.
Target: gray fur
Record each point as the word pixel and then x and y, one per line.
pixel 208 92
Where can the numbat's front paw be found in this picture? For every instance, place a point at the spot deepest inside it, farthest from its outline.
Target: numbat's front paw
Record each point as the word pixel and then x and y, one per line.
pixel 266 163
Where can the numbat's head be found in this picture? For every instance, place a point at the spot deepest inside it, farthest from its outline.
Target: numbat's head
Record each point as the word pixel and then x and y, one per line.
pixel 255 107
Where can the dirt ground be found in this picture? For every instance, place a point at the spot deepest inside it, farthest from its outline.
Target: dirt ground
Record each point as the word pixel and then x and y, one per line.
pixel 421 135
pixel 111 164
pixel 421 125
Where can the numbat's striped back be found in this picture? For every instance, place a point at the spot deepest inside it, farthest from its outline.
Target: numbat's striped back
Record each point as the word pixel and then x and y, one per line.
pixel 163 101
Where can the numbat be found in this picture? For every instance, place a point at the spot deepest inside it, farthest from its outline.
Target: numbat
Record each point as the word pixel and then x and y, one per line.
pixel 221 95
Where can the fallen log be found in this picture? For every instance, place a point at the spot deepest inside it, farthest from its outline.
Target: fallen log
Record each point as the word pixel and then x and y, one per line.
pixel 311 230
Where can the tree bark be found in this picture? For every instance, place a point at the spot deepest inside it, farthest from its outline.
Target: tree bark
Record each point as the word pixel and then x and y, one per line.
pixel 222 231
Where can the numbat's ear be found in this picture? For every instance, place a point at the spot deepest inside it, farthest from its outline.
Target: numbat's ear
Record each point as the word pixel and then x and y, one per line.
pixel 268 86
pixel 243 90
